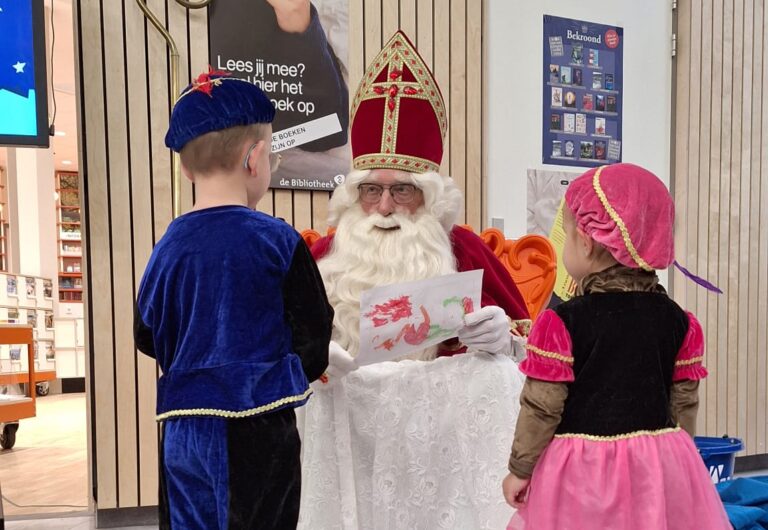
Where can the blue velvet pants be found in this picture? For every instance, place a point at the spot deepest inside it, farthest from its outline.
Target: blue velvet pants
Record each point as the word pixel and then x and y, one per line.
pixel 231 474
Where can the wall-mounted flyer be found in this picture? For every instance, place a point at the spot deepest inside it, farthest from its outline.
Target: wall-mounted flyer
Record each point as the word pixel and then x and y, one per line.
pixel 582 103
pixel 297 53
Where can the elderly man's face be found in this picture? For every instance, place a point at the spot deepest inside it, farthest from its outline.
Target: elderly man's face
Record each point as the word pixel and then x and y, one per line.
pixel 395 195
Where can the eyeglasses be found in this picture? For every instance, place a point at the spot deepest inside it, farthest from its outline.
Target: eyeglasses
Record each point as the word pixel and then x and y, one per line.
pixel 274 159
pixel 400 193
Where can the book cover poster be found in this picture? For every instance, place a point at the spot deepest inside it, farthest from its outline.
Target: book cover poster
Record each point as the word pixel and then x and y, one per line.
pixel 597 81
pixel 557 148
pixel 600 150
pixel 578 76
pixel 569 148
pixel 300 59
pixel 555 123
pixel 600 102
pixel 570 123
pixel 557 96
pixel 570 99
pixel 583 73
pixel 600 126
pixel 554 73
pixel 581 124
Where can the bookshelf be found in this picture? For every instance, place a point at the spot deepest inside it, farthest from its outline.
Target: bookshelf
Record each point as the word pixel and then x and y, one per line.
pixel 28 301
pixel 3 222
pixel 70 245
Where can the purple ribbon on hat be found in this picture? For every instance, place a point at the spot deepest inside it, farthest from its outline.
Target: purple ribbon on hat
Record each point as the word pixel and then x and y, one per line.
pixel 701 281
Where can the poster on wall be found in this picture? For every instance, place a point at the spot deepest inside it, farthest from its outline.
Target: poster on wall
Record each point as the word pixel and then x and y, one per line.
pixel 582 102
pixel 297 53
pixel 545 203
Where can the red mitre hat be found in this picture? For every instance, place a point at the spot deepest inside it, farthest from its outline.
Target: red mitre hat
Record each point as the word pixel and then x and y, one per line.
pixel 398 115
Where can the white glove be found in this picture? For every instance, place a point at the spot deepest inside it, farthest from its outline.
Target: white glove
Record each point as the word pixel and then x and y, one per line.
pixel 519 353
pixel 487 329
pixel 340 363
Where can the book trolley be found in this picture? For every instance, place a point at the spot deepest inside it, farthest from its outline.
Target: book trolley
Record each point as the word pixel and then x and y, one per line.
pixel 15 408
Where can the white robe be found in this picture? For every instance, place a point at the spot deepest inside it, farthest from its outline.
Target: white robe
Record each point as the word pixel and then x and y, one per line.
pixel 411 445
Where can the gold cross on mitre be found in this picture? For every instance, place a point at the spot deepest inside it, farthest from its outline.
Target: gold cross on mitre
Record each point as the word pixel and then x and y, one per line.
pixel 398 75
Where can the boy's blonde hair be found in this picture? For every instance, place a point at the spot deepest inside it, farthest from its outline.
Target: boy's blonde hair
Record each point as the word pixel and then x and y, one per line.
pixel 221 150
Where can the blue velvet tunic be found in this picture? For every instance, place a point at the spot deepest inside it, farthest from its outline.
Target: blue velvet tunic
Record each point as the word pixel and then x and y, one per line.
pixel 233 309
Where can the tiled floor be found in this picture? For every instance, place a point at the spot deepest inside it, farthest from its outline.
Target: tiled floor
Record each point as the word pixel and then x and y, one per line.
pixel 64 523
pixel 47 470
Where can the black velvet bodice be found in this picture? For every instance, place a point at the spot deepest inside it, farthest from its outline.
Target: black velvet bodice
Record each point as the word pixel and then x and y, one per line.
pixel 624 349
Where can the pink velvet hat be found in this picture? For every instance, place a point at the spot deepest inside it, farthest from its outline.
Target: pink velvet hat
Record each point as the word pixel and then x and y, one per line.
pixel 629 211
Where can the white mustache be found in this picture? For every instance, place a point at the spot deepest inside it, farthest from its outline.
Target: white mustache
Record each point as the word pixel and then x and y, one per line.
pixel 395 220
pixel 386 222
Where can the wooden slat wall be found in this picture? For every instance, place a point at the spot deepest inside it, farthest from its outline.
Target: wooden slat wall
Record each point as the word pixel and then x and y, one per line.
pixel 721 192
pixel 124 109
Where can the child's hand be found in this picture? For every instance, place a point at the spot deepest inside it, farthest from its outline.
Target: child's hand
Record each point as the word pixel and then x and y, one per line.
pixel 515 490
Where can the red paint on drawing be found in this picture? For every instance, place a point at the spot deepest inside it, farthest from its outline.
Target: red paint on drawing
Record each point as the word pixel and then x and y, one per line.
pixel 469 306
pixel 411 334
pixel 391 311
pixel 386 345
pixel 416 335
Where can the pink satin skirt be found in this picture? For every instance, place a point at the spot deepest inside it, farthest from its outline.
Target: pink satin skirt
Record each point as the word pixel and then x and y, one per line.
pixel 645 482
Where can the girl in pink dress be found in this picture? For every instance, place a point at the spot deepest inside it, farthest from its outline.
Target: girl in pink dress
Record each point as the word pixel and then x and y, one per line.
pixel 603 439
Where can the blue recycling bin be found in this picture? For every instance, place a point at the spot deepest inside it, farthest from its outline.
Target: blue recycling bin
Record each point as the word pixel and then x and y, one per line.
pixel 719 455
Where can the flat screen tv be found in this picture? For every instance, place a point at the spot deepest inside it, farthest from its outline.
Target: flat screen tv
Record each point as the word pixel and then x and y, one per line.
pixel 23 86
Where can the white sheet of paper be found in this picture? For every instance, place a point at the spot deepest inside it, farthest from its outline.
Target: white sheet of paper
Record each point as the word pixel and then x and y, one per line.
pixel 403 318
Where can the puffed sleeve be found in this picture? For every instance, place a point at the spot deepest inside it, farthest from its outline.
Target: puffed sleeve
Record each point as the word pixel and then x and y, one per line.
pixel 550 350
pixel 688 364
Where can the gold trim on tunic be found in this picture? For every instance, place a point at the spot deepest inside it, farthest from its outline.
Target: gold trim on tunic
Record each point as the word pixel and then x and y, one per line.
pixel 230 414
pixel 635 434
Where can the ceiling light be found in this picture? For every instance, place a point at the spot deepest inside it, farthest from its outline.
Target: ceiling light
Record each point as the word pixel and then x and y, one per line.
pixel 66 162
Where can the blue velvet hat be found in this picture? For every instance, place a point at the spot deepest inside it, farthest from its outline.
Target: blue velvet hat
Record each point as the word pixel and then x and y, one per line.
pixel 215 101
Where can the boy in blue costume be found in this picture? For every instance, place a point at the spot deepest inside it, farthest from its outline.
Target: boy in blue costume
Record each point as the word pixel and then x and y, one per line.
pixel 234 310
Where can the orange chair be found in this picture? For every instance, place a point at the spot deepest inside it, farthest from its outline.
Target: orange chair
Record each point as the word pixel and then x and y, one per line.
pixel 530 260
pixel 310 236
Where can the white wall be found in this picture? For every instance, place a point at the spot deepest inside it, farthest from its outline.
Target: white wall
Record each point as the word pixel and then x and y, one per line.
pixel 32 206
pixel 514 83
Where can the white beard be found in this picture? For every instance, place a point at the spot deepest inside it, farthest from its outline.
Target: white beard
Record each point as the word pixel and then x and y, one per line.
pixel 364 255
